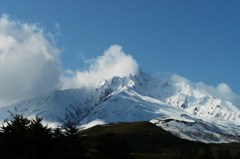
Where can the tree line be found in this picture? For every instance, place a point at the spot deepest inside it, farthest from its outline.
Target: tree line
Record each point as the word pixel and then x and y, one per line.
pixel 24 138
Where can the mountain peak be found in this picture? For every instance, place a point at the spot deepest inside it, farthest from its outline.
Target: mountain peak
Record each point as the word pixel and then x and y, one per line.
pixel 168 100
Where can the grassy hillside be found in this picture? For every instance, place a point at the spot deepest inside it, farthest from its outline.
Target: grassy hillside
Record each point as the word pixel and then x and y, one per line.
pixel 142 136
pixel 149 141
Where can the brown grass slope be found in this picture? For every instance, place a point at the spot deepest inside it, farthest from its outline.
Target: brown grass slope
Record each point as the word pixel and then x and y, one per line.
pixel 149 141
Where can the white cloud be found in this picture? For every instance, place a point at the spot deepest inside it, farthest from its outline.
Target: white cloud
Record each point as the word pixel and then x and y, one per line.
pixel 178 78
pixel 29 65
pixel 28 61
pixel 222 90
pixel 114 62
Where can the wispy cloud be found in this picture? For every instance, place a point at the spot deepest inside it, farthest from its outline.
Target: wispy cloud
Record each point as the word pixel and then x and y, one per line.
pixel 222 90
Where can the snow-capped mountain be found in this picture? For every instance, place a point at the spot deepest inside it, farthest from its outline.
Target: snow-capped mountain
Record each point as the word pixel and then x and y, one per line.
pixel 179 106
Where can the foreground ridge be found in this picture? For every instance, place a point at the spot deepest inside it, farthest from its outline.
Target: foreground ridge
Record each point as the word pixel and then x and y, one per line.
pixel 29 138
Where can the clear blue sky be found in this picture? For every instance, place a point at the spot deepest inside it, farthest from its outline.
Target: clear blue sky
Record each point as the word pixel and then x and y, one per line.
pixel 199 39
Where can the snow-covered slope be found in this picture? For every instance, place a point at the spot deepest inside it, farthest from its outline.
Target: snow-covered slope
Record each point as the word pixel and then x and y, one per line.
pixel 57 106
pixel 179 106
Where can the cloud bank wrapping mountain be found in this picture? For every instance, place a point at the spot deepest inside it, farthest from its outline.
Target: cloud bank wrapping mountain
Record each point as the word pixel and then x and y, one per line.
pixel 30 64
pixel 112 89
pixel 114 62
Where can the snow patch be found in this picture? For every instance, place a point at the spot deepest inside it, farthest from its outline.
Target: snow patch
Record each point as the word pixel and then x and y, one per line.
pixel 92 124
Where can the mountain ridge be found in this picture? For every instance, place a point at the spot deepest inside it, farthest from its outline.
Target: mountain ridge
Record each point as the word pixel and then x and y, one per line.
pixel 168 101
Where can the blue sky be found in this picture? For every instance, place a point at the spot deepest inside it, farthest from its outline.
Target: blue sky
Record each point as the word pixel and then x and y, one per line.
pixel 196 39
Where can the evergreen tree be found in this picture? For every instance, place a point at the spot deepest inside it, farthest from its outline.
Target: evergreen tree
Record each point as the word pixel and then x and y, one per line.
pixel 69 143
pixel 25 139
pixel 14 138
pixel 40 139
